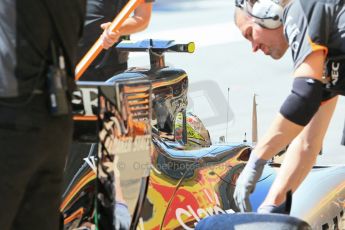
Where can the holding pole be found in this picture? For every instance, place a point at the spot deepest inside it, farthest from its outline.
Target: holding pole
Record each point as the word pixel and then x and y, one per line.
pixel 91 55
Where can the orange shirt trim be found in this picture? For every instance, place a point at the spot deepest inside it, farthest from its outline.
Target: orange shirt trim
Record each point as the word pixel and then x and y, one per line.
pixel 316 47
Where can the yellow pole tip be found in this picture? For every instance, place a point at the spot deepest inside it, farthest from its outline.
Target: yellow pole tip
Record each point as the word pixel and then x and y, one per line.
pixel 191 47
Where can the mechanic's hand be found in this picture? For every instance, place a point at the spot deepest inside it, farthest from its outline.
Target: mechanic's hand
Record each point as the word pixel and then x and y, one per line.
pixel 246 182
pixel 109 38
pixel 122 217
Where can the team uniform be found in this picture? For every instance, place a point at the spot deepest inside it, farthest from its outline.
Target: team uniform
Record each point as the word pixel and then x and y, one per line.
pixel 34 143
pixel 319 25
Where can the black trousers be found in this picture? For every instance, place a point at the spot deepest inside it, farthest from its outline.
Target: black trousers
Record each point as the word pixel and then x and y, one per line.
pixel 33 149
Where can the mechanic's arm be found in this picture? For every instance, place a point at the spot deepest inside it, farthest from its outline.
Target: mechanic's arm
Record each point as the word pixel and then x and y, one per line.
pixel 282 130
pixel 296 112
pixel 136 23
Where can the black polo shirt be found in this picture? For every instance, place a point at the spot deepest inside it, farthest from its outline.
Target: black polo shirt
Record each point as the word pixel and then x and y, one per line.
pixel 98 12
pixel 26 31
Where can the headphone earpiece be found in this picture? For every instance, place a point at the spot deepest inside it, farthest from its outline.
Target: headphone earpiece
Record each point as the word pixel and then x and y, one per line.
pixel 267 13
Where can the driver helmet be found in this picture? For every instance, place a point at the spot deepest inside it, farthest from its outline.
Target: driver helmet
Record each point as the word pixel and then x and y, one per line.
pixel 197 134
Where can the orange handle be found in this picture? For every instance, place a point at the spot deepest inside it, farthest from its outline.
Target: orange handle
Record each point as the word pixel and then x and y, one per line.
pixel 97 47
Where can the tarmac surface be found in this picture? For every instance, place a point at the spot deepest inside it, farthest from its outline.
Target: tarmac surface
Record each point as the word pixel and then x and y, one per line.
pixel 224 74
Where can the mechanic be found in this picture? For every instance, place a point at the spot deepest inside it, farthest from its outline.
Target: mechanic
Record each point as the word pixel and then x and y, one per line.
pixel 99 15
pixel 38 43
pixel 315 32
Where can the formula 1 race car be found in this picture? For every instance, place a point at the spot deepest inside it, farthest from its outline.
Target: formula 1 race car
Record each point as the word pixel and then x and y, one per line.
pixel 135 141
